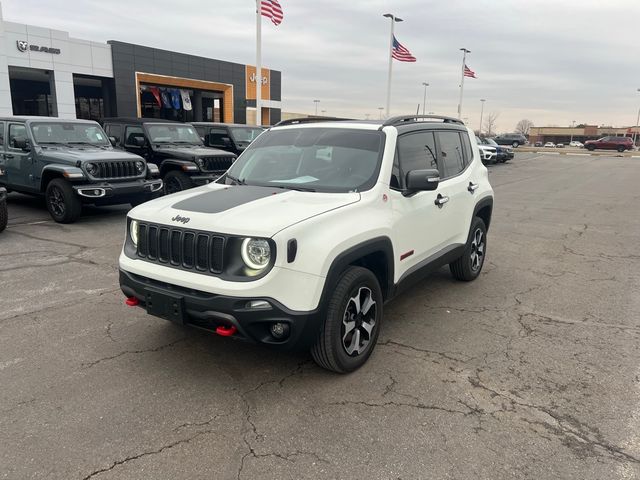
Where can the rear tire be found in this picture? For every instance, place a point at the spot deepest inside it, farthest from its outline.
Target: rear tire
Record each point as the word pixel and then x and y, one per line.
pixel 62 202
pixel 176 181
pixel 469 265
pixel 352 322
pixel 621 149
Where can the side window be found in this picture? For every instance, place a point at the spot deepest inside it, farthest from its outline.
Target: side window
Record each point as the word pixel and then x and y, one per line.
pixel 16 130
pixel 466 148
pixel 130 133
pixel 1 133
pixel 395 173
pixel 114 131
pixel 451 156
pixel 215 137
pixel 417 151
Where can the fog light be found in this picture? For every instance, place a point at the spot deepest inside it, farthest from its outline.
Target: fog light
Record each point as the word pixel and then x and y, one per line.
pixel 279 330
pixel 96 193
pixel 258 305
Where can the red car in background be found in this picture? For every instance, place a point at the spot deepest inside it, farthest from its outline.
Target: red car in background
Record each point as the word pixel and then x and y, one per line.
pixel 610 143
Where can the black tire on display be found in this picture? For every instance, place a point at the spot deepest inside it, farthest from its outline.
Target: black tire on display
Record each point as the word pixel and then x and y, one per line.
pixel 63 204
pixel 469 265
pixel 176 181
pixel 352 322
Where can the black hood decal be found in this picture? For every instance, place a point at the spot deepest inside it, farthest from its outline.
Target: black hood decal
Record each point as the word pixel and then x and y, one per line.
pixel 224 199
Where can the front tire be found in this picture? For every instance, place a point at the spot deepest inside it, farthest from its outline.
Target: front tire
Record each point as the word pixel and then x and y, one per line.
pixel 4 215
pixel 515 144
pixel 176 181
pixel 591 148
pixel 352 323
pixel 63 204
pixel 469 265
pixel 621 149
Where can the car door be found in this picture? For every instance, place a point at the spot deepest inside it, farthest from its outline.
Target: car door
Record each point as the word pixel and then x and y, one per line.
pixel 114 131
pixel 416 219
pixel 457 185
pixel 18 162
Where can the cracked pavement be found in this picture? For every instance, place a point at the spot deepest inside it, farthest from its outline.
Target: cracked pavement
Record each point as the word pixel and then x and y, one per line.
pixel 531 372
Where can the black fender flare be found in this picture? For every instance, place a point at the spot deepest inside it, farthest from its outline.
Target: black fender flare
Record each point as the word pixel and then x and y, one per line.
pixel 482 203
pixel 355 253
pixel 68 172
pixel 175 162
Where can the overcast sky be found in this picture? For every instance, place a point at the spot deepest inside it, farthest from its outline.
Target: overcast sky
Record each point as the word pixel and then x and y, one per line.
pixel 546 60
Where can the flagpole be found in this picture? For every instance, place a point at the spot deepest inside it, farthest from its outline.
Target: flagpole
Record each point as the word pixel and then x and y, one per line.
pixel 393 19
pixel 258 77
pixel 464 62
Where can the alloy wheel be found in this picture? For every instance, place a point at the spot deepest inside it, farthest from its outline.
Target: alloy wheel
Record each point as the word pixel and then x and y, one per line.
pixel 172 185
pixel 56 201
pixel 358 322
pixel 477 250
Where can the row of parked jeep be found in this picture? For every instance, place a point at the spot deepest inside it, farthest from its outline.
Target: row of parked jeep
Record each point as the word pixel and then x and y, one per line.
pixel 124 160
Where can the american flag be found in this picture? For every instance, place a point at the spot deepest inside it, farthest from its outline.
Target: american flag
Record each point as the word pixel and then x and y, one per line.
pixel 468 72
pixel 271 9
pixel 400 53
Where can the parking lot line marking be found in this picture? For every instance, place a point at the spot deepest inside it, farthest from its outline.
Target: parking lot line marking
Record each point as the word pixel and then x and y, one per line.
pixel 579 154
pixel 552 153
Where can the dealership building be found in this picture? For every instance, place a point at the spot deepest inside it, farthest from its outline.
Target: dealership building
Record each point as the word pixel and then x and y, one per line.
pixel 579 133
pixel 47 72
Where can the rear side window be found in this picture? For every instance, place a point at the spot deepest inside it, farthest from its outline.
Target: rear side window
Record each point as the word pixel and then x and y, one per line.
pixel 16 130
pixel 466 148
pixel 451 153
pixel 131 133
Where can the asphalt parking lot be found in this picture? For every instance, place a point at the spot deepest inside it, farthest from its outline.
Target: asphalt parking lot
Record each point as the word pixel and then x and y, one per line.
pixel 533 371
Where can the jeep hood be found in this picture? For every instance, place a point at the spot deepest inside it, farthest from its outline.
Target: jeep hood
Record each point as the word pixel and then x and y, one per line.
pixel 240 210
pixel 88 154
pixel 187 153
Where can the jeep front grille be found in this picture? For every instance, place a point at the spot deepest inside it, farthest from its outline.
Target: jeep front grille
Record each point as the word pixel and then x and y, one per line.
pixel 217 164
pixel 181 248
pixel 117 169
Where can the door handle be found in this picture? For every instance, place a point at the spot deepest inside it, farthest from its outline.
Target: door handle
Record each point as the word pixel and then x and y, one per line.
pixel 472 187
pixel 441 200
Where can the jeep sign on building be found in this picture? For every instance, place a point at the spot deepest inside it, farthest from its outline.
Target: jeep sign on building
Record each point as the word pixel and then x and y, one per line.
pixel 48 72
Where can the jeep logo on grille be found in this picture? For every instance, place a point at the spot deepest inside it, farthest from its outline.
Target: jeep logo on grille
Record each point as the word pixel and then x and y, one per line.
pixel 180 219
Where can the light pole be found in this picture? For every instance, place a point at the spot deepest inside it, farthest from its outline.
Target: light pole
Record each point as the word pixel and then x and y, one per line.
pixel 482 100
pixel 366 116
pixel 464 62
pixel 424 99
pixel 316 102
pixel 380 109
pixel 635 131
pixel 323 112
pixel 393 19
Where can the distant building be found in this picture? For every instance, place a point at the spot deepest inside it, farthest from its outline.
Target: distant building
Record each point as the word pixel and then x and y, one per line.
pixel 580 134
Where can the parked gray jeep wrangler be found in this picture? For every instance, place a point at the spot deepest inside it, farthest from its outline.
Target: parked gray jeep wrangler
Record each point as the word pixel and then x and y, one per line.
pixel 71 163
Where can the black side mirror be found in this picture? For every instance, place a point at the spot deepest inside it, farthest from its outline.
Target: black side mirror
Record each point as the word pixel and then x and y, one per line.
pixel 138 141
pixel 21 143
pixel 226 141
pixel 113 141
pixel 422 180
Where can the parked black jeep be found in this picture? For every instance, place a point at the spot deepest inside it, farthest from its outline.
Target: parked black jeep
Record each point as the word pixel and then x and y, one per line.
pixel 176 148
pixel 232 137
pixel 4 214
pixel 71 162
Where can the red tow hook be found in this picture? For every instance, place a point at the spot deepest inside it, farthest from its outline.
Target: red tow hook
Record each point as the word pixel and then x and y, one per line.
pixel 132 301
pixel 226 331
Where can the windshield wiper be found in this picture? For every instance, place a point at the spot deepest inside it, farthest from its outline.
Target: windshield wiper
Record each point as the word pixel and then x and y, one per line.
pixel 295 187
pixel 86 143
pixel 236 180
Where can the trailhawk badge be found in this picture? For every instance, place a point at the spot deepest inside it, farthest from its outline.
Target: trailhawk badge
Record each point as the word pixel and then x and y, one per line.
pixel 22 45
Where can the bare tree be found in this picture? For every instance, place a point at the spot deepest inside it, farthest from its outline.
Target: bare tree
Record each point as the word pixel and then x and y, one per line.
pixel 524 126
pixel 490 124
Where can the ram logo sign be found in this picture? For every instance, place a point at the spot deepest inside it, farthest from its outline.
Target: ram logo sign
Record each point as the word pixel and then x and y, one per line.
pixel 24 46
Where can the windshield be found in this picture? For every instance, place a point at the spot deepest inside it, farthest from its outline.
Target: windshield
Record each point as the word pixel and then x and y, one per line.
pixel 69 133
pixel 490 141
pixel 169 133
pixel 315 159
pixel 245 135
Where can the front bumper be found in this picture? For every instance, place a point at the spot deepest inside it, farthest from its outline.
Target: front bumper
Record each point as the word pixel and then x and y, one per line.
pixel 117 192
pixel 209 311
pixel 505 155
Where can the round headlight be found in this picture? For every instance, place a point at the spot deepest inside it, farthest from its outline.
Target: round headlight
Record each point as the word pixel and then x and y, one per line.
pixel 256 253
pixel 133 231
pixel 140 166
pixel 92 169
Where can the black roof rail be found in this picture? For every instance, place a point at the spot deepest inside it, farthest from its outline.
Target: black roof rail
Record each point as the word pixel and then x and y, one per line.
pixel 298 121
pixel 402 119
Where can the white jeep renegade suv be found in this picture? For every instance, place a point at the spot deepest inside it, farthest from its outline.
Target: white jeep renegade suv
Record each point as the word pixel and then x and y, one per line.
pixel 311 231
